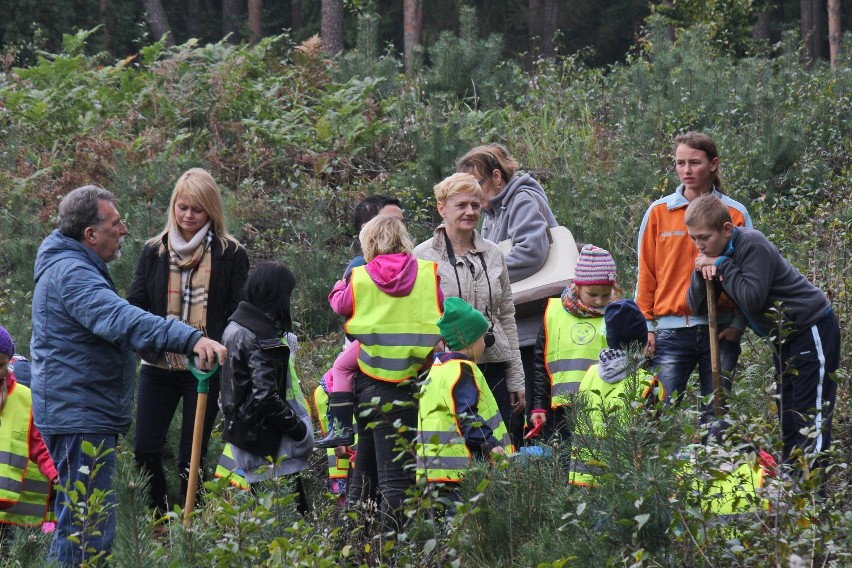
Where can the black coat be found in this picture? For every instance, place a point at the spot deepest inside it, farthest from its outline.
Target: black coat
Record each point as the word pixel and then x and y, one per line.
pixel 254 385
pixel 229 271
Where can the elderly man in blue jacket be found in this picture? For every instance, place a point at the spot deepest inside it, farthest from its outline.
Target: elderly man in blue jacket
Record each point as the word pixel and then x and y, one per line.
pixel 83 366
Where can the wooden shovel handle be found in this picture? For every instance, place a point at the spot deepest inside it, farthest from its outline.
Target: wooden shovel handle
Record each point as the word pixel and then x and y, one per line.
pixel 715 361
pixel 195 461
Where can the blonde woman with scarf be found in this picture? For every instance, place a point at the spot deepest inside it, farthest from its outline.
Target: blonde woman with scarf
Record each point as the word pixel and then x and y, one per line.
pixel 192 271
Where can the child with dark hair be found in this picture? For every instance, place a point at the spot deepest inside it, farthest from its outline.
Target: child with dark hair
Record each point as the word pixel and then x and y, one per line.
pixel 369 207
pixel 678 338
pixel 266 416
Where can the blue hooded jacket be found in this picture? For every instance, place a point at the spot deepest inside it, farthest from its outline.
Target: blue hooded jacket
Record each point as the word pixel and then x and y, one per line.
pixel 84 339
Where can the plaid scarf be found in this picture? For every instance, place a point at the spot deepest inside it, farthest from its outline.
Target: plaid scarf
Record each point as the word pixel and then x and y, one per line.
pixel 190 265
pixel 575 306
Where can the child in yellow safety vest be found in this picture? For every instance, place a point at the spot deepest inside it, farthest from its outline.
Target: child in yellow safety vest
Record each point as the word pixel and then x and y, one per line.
pixel 27 473
pixel 340 402
pixel 458 418
pixel 571 337
pixel 607 386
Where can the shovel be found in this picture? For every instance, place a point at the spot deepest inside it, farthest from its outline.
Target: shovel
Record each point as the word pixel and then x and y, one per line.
pixel 197 434
pixel 715 360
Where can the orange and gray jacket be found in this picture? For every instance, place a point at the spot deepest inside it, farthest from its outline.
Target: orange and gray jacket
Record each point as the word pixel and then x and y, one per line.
pixel 667 261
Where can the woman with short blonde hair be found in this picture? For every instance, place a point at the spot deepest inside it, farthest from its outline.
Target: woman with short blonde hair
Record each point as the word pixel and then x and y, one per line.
pixel 474 270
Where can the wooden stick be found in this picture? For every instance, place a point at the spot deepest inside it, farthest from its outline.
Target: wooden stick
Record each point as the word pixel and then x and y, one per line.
pixel 715 360
pixel 195 462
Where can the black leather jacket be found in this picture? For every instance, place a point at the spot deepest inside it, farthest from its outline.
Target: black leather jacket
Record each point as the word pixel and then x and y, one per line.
pixel 254 382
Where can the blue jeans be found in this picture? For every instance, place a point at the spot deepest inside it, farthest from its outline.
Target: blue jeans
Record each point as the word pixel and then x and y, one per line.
pixel 677 353
pixel 67 453
pixel 382 473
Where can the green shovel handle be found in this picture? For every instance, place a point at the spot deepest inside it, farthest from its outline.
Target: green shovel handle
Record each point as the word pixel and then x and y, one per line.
pixel 203 377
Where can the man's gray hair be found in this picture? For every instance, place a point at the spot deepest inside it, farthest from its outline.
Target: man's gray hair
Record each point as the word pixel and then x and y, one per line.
pixel 80 209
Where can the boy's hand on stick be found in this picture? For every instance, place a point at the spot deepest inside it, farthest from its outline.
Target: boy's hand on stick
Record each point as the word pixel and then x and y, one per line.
pixel 730 333
pixel 706 265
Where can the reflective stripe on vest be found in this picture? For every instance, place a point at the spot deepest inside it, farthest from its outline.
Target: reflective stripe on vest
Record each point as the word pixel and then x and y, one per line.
pixel 601 399
pixel 227 466
pixel 31 510
pixel 442 454
pixel 571 346
pixel 338 468
pixel 397 334
pixel 15 441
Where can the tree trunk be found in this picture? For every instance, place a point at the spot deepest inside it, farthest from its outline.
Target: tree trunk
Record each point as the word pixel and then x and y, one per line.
pixel 108 20
pixel 760 31
pixel 255 11
pixel 193 18
pixel 331 30
pixel 232 20
pixel 535 29
pixel 413 24
pixel 549 27
pixel 834 33
pixel 297 20
pixel 810 31
pixel 158 21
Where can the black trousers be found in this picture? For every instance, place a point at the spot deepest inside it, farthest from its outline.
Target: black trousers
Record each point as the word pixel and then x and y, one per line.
pixel 495 376
pixel 806 364
pixel 383 473
pixel 160 391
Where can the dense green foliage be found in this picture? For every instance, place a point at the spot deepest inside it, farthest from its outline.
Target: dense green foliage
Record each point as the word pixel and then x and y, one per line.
pixel 295 140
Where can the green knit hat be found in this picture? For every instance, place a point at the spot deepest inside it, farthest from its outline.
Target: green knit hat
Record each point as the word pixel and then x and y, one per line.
pixel 461 324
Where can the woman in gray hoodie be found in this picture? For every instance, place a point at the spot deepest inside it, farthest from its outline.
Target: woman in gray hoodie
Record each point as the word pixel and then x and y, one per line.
pixel 514 207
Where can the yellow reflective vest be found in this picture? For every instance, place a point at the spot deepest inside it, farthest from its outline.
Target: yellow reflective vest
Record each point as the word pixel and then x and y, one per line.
pixel 571 346
pixel 730 490
pixel 338 468
pixel 14 443
pixel 397 334
pixel 601 399
pixel 442 455
pixel 228 469
pixel 21 482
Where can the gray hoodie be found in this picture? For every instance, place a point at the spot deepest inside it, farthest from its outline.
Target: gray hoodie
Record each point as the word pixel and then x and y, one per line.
pixel 521 212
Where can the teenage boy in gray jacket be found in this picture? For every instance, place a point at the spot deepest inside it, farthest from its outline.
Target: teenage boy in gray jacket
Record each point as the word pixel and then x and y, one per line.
pixel 752 272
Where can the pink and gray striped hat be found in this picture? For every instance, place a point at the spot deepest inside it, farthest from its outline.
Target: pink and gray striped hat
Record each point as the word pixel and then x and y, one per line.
pixel 595 267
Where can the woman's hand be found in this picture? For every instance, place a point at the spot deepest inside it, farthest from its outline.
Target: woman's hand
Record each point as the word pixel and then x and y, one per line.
pixel 537 417
pixel 518 400
pixel 209 352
